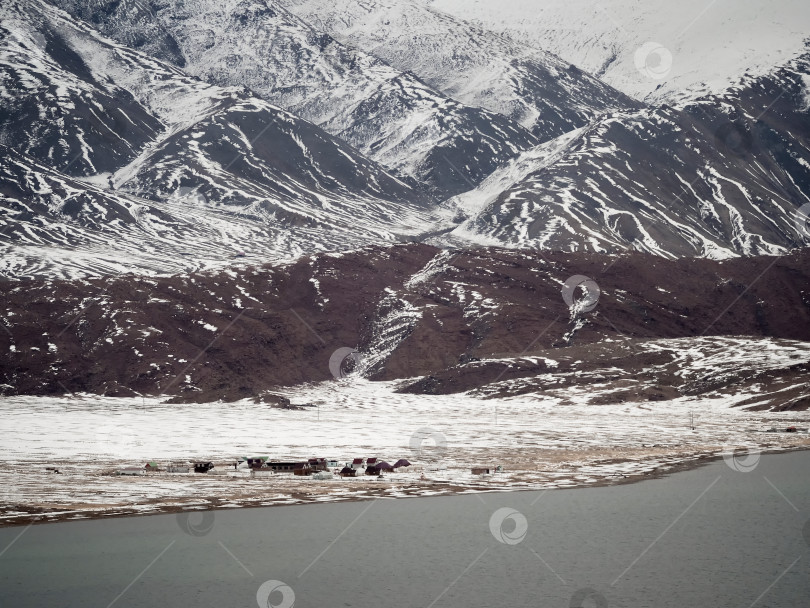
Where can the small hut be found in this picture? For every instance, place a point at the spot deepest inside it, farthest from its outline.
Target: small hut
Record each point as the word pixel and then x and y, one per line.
pixel 384 467
pixel 203 467
pixel 481 471
pixel 151 466
pixel 348 472
pixel 132 471
pixel 256 462
pixel 358 463
pixel 261 473
pixel 318 464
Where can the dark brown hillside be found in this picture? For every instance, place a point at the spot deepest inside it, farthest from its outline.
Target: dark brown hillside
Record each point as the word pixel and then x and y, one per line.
pixel 238 333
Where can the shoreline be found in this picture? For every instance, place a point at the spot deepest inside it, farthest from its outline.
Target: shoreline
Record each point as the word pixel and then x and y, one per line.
pixel 436 489
pixel 527 444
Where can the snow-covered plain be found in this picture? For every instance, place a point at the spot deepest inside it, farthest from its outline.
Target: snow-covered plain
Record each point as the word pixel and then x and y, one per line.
pixel 540 444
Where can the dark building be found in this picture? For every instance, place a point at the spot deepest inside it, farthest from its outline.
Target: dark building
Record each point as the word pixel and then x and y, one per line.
pixel 287 467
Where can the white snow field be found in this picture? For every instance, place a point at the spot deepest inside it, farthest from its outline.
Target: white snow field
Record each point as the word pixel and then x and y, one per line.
pixel 540 442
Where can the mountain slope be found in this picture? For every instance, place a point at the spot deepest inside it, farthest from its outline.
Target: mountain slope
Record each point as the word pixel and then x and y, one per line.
pixel 257 169
pixel 545 94
pixel 654 50
pixel 58 226
pixel 390 116
pixel 490 318
pixel 53 107
pixel 724 176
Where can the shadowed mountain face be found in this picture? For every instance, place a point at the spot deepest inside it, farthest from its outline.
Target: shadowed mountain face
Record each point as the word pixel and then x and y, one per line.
pixel 54 107
pixel 462 320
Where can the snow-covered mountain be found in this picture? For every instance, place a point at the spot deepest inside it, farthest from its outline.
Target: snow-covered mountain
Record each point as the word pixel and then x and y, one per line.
pixel 724 176
pixel 655 179
pixel 58 226
pixel 136 135
pixel 391 116
pixel 54 108
pixel 654 50
pixel 106 147
pixel 474 65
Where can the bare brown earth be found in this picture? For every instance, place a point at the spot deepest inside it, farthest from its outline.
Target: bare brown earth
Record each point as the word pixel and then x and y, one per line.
pixel 240 333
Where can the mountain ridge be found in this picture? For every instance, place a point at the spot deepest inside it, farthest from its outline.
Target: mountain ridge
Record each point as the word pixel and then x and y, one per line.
pixel 388 115
pixel 723 176
pixel 207 149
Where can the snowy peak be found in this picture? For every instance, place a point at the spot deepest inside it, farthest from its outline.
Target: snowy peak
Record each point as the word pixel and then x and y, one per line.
pixel 269 138
pixel 389 115
pixel 476 66
pixel 457 145
pixel 250 153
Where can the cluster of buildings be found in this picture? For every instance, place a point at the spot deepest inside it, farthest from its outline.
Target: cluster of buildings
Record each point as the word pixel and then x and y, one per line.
pixel 372 466
pixel 358 466
pixel 263 465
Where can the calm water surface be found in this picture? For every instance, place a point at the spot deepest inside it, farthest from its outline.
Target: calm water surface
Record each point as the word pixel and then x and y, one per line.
pixel 710 537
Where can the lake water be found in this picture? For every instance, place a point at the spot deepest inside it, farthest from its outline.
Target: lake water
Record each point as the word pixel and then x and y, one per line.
pixel 712 537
